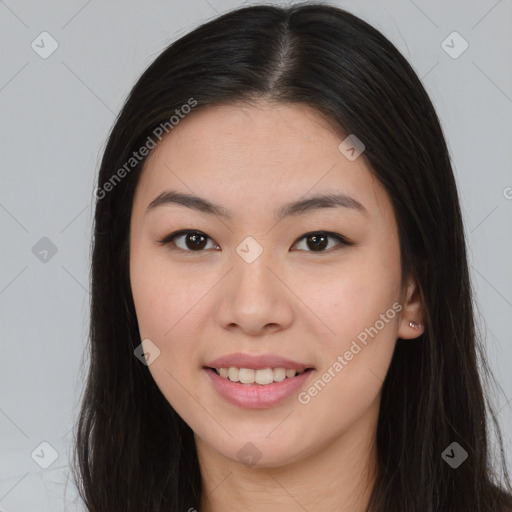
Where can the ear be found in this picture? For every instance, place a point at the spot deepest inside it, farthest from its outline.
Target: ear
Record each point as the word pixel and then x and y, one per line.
pixel 412 315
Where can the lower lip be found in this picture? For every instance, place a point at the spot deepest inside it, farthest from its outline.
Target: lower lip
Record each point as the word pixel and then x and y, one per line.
pixel 256 396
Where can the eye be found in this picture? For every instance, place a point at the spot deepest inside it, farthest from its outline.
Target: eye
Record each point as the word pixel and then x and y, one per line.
pixel 318 240
pixel 195 241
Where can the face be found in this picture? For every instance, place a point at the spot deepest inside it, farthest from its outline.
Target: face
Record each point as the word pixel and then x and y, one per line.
pixel 318 286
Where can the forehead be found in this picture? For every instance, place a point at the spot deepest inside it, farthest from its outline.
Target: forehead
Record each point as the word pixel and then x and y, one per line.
pixel 248 157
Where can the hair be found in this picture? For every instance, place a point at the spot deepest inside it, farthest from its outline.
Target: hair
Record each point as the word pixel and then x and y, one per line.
pixel 132 450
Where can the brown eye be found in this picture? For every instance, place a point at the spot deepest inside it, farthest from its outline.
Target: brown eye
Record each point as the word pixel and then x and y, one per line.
pixel 318 241
pixel 192 241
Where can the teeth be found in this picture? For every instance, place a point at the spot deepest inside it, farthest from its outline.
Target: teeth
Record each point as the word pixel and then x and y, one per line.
pixel 246 375
pixel 265 376
pixel 233 374
pixel 279 374
pixel 251 376
pixel 290 373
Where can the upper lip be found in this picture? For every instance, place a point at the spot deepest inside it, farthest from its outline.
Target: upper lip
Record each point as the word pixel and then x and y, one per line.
pixel 256 362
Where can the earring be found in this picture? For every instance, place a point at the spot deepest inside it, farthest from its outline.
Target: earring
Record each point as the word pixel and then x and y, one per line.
pixel 415 325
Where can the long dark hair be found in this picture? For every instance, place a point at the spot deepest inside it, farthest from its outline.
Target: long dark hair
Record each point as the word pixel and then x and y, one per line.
pixel 133 452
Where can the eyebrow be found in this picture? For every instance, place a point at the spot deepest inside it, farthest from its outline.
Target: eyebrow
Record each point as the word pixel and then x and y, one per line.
pixel 300 207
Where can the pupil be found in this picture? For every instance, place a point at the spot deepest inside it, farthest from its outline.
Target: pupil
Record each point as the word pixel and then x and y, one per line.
pixel 316 241
pixel 194 237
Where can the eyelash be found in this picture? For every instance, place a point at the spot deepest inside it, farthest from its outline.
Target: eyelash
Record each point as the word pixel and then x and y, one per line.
pixel 168 239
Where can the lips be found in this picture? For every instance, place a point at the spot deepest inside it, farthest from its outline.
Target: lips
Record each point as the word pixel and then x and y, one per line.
pixel 257 362
pixel 256 396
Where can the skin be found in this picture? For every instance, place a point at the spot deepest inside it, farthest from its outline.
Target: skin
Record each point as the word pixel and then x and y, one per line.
pixel 292 301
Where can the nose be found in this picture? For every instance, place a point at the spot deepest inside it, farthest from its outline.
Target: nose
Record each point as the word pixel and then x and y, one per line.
pixel 254 297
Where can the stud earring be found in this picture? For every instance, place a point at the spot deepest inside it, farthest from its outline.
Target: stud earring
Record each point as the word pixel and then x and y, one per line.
pixel 415 325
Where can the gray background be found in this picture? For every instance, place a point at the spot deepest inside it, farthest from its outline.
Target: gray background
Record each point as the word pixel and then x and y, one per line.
pixel 56 114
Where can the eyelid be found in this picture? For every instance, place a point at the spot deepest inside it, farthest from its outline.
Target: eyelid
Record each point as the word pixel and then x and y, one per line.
pixel 343 241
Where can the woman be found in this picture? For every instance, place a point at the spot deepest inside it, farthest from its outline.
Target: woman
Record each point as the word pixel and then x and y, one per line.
pixel 281 313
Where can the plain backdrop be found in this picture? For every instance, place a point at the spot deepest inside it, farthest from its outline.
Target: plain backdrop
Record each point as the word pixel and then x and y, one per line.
pixel 56 111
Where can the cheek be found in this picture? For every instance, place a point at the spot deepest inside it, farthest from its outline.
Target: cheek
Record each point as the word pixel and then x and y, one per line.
pixel 360 307
pixel 163 296
pixel 354 296
pixel 165 304
pixel 355 360
pixel 363 324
